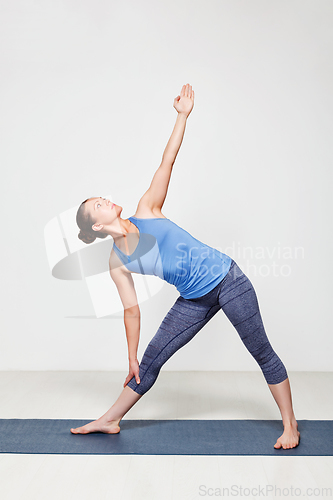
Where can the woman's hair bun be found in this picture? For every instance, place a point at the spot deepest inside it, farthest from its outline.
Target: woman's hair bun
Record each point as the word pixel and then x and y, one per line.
pixel 85 223
pixel 85 237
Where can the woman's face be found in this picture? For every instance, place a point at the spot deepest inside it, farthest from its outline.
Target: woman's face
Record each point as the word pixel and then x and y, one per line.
pixel 102 210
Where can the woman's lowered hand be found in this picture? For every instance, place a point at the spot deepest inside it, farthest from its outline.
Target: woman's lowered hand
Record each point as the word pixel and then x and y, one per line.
pixel 133 372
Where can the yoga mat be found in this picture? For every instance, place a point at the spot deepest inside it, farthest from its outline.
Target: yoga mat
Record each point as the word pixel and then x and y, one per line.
pixel 164 437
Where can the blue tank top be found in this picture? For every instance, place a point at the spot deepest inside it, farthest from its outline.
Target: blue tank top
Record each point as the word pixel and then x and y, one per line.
pixel 171 253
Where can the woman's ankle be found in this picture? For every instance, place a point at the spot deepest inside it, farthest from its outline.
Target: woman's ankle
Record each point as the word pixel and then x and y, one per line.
pixel 290 421
pixel 110 418
pixel 114 421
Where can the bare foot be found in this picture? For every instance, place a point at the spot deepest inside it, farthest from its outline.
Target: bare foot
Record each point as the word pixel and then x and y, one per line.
pixel 290 437
pixel 100 425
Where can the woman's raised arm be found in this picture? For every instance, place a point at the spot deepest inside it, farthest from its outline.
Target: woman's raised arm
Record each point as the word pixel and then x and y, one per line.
pixel 157 191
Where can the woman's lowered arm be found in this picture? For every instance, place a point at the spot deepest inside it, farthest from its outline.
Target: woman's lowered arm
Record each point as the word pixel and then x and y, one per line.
pixel 125 285
pixel 157 191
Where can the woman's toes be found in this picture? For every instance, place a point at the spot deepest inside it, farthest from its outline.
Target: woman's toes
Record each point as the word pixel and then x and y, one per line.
pixel 289 439
pixel 80 430
pixel 75 431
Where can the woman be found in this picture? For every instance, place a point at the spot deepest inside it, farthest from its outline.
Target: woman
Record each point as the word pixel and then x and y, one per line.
pixel 208 280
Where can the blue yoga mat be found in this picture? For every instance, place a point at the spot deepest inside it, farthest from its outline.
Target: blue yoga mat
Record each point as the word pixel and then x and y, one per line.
pixel 164 437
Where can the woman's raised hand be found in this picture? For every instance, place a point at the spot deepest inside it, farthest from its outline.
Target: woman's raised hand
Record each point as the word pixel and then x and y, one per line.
pixel 184 102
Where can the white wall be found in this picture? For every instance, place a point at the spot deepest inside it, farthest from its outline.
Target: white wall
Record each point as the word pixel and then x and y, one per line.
pixel 87 89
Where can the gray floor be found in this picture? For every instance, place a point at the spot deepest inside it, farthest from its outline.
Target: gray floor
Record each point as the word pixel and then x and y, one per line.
pixel 176 395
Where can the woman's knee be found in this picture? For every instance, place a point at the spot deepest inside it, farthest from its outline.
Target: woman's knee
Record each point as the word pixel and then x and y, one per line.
pixel 271 365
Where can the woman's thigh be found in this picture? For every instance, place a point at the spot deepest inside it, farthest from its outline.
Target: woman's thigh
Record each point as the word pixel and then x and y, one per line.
pixel 238 298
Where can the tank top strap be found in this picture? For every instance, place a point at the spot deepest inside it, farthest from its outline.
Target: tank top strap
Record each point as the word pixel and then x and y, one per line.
pixel 136 222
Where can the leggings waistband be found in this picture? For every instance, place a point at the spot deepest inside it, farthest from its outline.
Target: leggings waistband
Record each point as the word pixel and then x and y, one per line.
pixel 214 291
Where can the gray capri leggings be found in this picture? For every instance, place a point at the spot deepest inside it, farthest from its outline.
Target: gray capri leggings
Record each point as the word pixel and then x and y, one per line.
pixel 237 298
